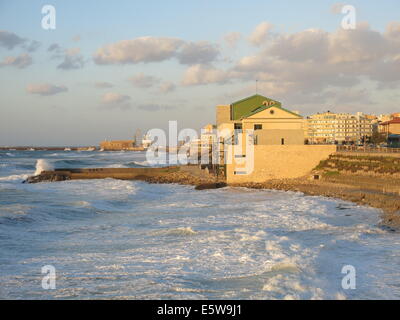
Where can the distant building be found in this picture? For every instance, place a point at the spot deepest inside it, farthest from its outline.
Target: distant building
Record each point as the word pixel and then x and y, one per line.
pixel 390 127
pixel 117 145
pixel 329 127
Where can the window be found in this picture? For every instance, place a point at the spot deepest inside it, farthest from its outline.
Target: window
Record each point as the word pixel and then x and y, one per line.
pixel 282 141
pixel 239 172
pixel 238 126
pixel 258 127
pixel 255 141
pixel 271 111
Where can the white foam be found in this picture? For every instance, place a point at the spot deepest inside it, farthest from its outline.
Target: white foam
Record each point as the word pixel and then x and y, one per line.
pixel 42 165
pixel 14 177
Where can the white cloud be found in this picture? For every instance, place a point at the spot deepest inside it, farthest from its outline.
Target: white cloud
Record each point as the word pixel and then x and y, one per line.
pixel 203 74
pixel 198 52
pixel 45 89
pixel 313 66
pixel 260 33
pixel 144 49
pixel 156 49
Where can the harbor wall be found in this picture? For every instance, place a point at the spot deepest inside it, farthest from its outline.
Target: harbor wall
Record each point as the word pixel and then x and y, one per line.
pixel 276 162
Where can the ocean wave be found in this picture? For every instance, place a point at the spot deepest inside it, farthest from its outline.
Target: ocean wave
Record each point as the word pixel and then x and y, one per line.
pixel 139 163
pixel 184 231
pixel 15 177
pixel 14 209
pixel 43 165
pixel 70 162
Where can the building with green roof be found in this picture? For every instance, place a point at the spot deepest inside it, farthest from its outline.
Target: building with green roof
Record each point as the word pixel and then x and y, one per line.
pixel 272 124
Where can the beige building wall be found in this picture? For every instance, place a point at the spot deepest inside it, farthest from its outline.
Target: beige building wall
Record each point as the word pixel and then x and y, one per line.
pixel 277 124
pixel 277 162
pixel 223 114
pixel 279 137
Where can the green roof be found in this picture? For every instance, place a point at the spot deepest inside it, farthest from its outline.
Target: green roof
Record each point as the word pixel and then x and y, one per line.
pixel 247 105
pixel 265 107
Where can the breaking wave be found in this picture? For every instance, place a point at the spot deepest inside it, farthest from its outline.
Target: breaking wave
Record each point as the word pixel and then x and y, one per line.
pixel 42 165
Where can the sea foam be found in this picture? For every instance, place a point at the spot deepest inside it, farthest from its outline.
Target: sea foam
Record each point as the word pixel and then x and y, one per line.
pixel 42 165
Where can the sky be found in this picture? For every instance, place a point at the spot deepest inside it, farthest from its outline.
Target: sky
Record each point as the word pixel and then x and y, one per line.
pixel 112 67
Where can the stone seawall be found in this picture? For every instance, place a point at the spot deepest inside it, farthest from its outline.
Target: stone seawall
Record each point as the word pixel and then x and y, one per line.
pixel 277 162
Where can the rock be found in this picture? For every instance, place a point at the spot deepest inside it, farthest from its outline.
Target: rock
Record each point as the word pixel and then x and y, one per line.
pixel 216 185
pixel 46 178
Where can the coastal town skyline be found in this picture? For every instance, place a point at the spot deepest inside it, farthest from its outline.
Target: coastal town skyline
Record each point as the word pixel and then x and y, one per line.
pixel 103 73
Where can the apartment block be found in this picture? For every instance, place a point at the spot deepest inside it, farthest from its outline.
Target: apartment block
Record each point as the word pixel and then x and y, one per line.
pixel 329 127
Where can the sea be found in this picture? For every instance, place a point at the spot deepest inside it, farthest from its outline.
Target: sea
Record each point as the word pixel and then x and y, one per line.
pixel 114 239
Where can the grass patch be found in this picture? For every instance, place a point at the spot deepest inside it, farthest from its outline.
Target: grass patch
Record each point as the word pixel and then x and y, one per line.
pixel 331 173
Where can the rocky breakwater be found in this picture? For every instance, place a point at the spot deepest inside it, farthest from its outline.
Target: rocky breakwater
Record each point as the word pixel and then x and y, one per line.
pixel 186 175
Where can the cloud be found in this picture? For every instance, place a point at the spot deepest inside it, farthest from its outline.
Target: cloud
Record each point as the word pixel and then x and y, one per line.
pixel 260 33
pixel 393 30
pixel 10 40
pixel 203 74
pixel 103 84
pixel 314 67
pixel 55 47
pixel 232 38
pixel 72 60
pixel 167 87
pixel 312 44
pixel 198 53
pixel 116 100
pixel 156 49
pixel 144 49
pixel 45 89
pixel 143 81
pixel 22 61
pixel 32 46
